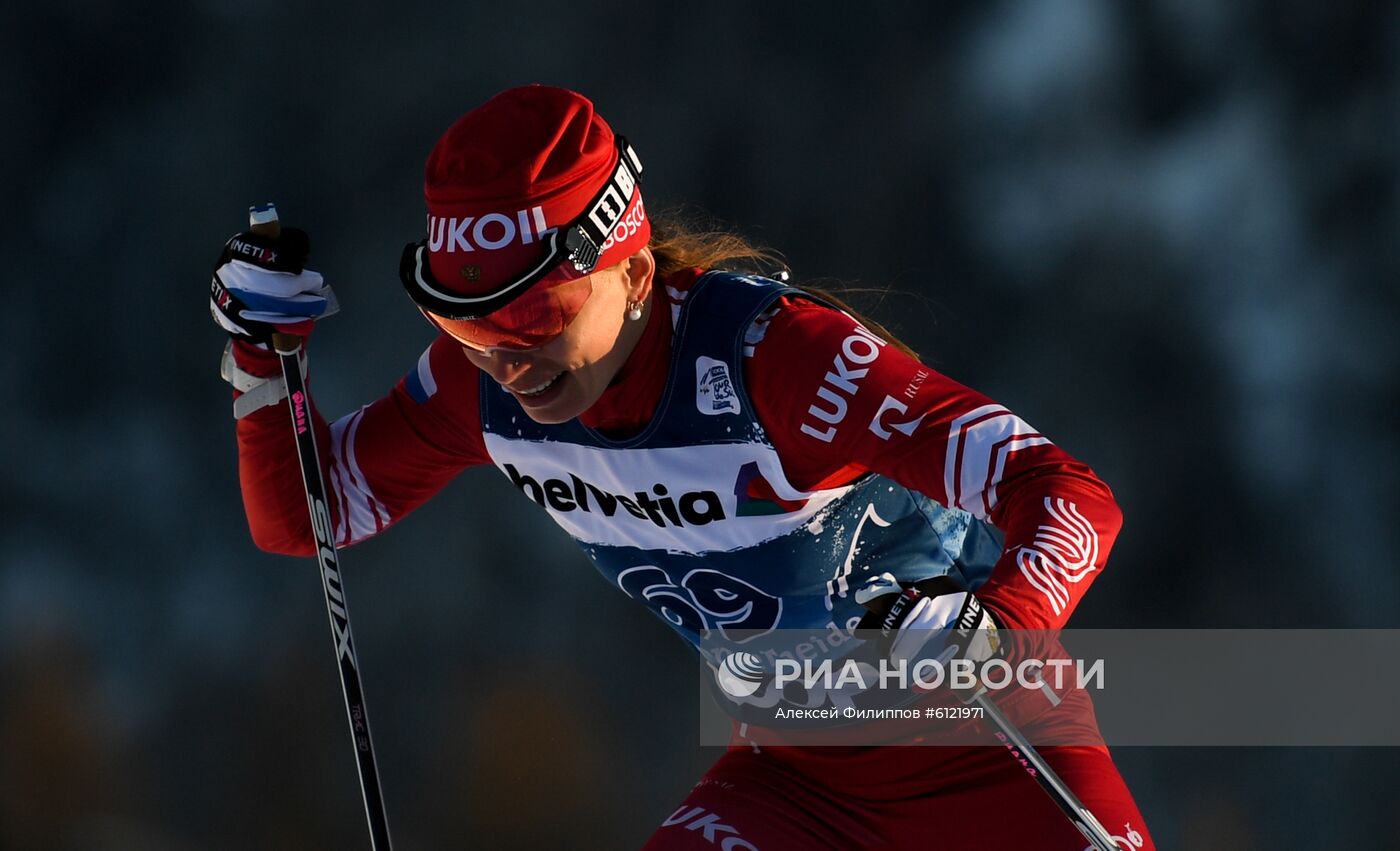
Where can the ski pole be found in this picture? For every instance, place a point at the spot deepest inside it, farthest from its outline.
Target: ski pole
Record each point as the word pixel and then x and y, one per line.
pixel 262 219
pixel 1015 741
pixel 1036 766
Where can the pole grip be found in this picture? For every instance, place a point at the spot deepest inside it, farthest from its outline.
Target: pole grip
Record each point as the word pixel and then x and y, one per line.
pixel 263 221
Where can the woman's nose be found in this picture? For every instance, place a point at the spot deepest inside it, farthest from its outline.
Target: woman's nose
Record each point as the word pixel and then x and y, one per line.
pixel 507 364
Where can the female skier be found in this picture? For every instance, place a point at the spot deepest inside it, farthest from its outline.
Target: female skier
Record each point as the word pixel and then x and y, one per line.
pixel 737 454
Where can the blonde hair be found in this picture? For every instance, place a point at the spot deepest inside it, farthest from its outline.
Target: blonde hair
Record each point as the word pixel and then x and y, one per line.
pixel 688 240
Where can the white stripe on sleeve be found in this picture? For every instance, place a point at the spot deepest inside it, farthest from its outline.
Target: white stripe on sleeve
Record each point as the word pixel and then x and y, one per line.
pixel 364 513
pixel 425 373
pixel 979 443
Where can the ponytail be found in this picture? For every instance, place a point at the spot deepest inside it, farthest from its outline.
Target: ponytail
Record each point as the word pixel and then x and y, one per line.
pixel 680 241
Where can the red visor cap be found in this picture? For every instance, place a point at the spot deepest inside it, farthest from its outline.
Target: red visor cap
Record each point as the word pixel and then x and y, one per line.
pixel 498 181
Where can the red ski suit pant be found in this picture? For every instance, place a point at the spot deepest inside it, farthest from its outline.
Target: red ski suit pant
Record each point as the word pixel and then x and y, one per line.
pixel 924 798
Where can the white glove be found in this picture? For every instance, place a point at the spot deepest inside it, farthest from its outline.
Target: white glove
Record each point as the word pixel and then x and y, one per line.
pixel 928 619
pixel 261 285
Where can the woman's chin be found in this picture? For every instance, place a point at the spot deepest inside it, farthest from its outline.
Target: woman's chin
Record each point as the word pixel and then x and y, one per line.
pixel 548 416
pixel 558 404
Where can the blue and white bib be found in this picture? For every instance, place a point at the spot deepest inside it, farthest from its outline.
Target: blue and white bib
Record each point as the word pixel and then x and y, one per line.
pixel 667 516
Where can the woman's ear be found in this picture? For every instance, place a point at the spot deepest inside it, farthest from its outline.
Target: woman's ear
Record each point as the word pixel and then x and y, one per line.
pixel 640 268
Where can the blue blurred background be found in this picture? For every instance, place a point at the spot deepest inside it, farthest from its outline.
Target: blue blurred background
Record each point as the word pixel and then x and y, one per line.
pixel 1163 232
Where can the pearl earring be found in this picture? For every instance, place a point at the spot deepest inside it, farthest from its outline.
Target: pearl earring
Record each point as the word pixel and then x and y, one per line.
pixel 634 310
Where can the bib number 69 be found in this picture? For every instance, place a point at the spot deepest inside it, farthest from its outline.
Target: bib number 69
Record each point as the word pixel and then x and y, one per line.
pixel 704 600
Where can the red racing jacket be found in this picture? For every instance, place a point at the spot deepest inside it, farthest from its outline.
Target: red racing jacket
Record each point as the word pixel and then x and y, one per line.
pixel 830 424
